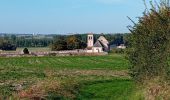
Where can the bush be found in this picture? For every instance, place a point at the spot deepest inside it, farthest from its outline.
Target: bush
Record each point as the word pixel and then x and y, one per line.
pixel 149 44
pixel 8 46
pixel 26 51
pixel 118 51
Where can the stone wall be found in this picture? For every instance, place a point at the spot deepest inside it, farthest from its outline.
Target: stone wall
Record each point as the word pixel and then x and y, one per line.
pixel 52 53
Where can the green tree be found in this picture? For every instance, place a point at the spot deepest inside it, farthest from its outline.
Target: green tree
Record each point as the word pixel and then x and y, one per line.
pixel 1 42
pixel 59 44
pixel 13 38
pixel 149 43
pixel 74 42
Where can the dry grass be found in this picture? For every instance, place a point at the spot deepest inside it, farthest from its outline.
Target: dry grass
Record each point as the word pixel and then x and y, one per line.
pixel 42 88
pixel 157 90
pixel 94 73
pixel 60 82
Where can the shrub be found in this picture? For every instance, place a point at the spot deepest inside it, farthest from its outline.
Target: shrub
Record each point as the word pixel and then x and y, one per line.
pixel 149 43
pixel 26 51
pixel 118 51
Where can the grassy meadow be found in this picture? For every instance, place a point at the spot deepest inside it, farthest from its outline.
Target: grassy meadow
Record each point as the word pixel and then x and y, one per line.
pixel 73 77
pixel 114 62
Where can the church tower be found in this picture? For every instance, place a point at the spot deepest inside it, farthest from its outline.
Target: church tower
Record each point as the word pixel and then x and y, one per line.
pixel 90 40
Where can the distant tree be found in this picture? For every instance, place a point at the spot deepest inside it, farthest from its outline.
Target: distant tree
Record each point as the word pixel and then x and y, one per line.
pixel 82 39
pixel 59 44
pixel 70 42
pixel 6 37
pixel 13 39
pixel 116 39
pixel 26 51
pixel 1 42
pixel 82 45
pixel 6 45
pixel 74 42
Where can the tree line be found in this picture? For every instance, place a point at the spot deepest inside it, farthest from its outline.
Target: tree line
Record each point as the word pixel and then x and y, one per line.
pixel 6 45
pixel 58 42
pixel 79 41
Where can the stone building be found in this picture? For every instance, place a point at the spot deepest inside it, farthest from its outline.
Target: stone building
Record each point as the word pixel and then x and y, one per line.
pixel 101 45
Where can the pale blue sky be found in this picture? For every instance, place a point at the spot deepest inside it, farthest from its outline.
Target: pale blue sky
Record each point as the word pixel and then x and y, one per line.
pixel 67 16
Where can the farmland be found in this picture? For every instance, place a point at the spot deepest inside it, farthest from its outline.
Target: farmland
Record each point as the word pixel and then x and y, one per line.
pixel 116 62
pixel 73 77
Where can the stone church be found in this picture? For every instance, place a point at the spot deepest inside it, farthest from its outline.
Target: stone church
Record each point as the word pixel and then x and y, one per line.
pixel 99 46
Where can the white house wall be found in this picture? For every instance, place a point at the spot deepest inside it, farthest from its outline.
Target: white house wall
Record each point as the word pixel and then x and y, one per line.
pixel 89 51
pixel 97 49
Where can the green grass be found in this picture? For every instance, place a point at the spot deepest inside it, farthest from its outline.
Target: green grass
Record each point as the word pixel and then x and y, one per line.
pixel 114 62
pixel 72 77
pixel 115 89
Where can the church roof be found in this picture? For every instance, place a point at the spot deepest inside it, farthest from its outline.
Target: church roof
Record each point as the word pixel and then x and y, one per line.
pixel 97 44
pixel 103 40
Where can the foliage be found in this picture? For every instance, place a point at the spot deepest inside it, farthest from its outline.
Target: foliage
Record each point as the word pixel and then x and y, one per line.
pixel 149 43
pixel 26 51
pixel 6 45
pixel 78 41
pixel 68 43
pixel 75 43
pixel 29 40
pixel 59 44
pixel 117 39
pixel 118 51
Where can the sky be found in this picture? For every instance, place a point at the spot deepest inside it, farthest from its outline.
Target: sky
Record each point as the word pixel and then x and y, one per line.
pixel 68 16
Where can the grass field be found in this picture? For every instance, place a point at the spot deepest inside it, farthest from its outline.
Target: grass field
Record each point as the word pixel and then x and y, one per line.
pixel 76 77
pixel 117 62
pixel 115 89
